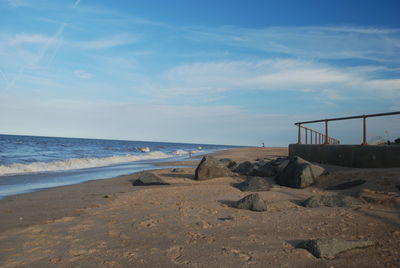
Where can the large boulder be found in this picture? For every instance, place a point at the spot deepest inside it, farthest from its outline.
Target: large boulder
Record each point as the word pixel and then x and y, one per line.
pixel 229 163
pixel 262 169
pixel 254 184
pixel 148 178
pixel 299 173
pixel 332 201
pixel 251 202
pixel 329 248
pixel 244 168
pixel 210 167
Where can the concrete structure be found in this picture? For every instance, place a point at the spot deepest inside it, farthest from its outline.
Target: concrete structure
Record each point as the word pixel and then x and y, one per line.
pixel 360 156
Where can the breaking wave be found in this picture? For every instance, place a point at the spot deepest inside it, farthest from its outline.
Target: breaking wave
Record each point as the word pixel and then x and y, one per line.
pixel 76 163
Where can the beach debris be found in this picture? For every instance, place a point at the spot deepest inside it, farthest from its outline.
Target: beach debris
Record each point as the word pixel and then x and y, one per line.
pixel 251 202
pixel 210 167
pixel 176 170
pixel 254 184
pixel 337 200
pixel 229 163
pixel 388 199
pixel 329 248
pixel 299 173
pixel 346 185
pixel 148 178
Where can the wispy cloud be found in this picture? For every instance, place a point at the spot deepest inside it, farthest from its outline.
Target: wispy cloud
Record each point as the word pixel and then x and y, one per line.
pixel 83 74
pixel 109 42
pixel 39 39
pixel 14 3
pixel 341 42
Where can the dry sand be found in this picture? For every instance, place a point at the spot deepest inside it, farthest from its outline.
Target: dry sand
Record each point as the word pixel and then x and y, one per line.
pixel 110 223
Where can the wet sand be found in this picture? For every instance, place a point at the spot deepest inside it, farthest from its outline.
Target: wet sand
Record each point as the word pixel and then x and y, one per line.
pixel 111 223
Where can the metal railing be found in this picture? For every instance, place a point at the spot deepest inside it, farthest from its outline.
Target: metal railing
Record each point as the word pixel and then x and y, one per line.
pixel 324 138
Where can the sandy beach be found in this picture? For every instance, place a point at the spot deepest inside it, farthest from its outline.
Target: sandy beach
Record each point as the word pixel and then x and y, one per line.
pixel 189 223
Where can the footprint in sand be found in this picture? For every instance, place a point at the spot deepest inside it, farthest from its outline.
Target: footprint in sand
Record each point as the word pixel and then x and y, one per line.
pixel 174 254
pixel 243 256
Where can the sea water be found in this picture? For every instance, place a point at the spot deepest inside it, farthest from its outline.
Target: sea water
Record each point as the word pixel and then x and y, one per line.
pixel 30 163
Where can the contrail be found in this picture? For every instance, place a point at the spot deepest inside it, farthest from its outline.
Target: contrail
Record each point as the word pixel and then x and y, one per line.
pixel 41 52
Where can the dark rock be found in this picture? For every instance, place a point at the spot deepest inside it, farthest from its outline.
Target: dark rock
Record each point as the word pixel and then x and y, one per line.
pixel 177 170
pixel 278 161
pixel 329 248
pixel 149 179
pixel 210 167
pixel 244 168
pixel 332 201
pixel 251 202
pixel 254 184
pixel 229 163
pixel 299 173
pixel 346 185
pixel 282 165
pixel 262 170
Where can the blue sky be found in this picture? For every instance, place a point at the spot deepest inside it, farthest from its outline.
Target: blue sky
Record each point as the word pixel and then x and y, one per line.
pixel 224 72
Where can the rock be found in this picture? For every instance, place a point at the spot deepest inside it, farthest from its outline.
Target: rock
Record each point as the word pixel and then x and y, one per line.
pixel 254 184
pixel 229 163
pixel 332 201
pixel 329 248
pixel 389 199
pixel 244 168
pixel 210 167
pixel 282 165
pixel 251 202
pixel 175 170
pixel 148 178
pixel 346 185
pixel 299 173
pixel 262 170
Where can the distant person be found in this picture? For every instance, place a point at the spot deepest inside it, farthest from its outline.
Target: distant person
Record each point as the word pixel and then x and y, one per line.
pixel 263 145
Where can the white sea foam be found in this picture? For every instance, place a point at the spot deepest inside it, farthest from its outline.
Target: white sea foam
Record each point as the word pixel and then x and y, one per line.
pixel 183 152
pixel 180 152
pixel 76 163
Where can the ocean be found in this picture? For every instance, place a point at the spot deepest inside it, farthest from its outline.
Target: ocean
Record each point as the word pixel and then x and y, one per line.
pixel 31 163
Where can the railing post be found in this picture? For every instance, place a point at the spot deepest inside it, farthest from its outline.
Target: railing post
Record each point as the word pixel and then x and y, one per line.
pixel 306 135
pixel 326 132
pixel 311 136
pixel 299 134
pixel 364 130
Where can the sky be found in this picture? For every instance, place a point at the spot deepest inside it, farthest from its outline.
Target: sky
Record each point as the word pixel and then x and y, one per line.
pixel 220 72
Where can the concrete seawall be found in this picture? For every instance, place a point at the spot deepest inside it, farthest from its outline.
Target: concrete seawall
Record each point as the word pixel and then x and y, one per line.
pixel 359 156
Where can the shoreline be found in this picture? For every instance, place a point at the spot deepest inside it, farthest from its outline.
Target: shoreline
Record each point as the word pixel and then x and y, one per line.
pixel 110 223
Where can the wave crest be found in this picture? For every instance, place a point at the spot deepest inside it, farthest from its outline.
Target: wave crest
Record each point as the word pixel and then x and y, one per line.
pixel 76 163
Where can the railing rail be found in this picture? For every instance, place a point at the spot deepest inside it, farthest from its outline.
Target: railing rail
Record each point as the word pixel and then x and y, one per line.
pixel 329 140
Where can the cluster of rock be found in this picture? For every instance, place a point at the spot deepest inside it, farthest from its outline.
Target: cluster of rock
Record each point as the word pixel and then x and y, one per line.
pixel 295 172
